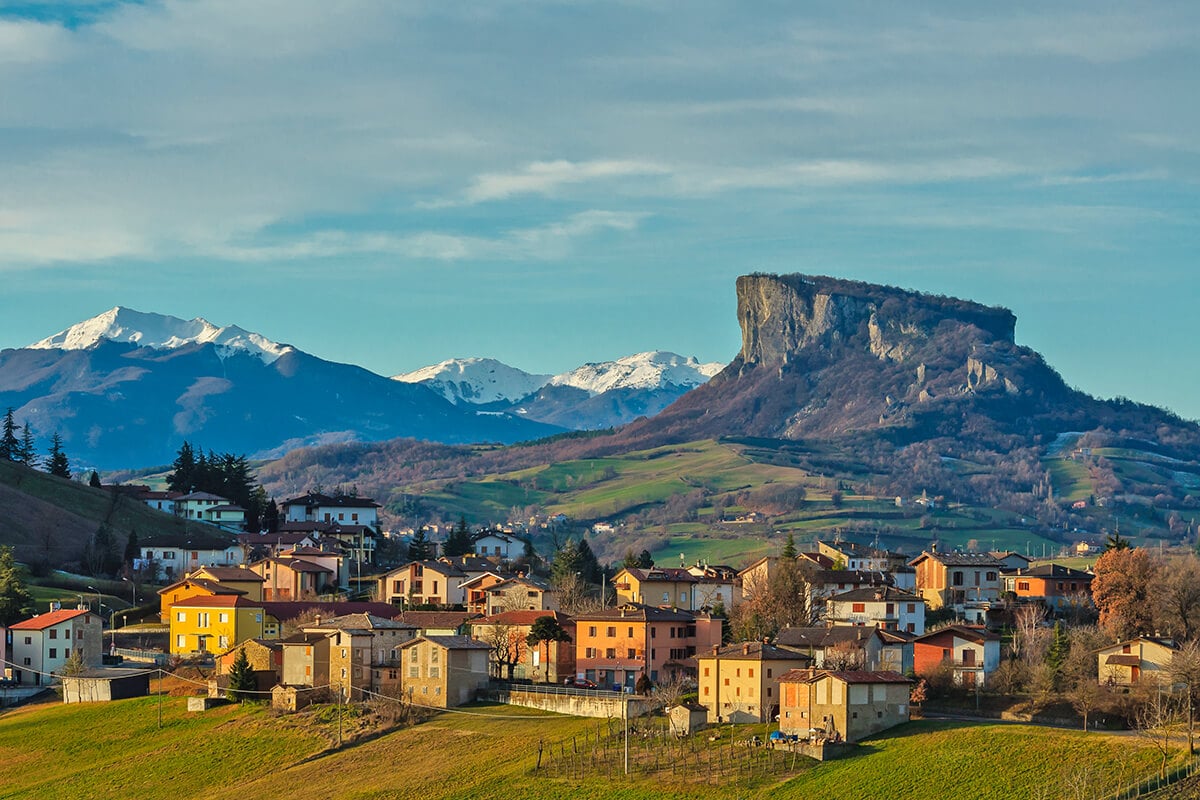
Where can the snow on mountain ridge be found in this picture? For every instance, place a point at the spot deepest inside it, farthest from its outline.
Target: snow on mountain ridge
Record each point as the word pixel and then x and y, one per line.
pixel 486 380
pixel 639 371
pixel 477 381
pixel 161 332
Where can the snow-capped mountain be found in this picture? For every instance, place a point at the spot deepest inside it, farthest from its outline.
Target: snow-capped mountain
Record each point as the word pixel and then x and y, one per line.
pixel 597 395
pixel 651 370
pixel 162 332
pixel 478 381
pixel 125 388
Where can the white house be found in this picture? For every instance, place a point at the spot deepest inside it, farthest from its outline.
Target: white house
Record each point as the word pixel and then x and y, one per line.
pixel 340 508
pixel 176 555
pixel 493 544
pixel 196 505
pixel 877 607
pixel 42 645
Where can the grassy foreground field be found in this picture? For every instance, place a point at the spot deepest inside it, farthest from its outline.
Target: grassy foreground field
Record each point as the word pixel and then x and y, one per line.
pixel 117 750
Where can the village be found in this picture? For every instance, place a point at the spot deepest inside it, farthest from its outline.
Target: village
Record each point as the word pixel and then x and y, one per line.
pixel 825 647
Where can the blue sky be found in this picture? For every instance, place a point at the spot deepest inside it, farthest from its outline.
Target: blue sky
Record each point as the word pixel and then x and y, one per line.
pixel 395 183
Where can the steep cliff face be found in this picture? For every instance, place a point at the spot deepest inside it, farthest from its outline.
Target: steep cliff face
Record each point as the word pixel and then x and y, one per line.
pixel 781 314
pixel 828 357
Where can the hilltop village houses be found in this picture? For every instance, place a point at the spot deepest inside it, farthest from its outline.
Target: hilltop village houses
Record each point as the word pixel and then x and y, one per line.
pixel 442 630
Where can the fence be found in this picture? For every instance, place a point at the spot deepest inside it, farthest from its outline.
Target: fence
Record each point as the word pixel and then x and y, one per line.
pixel 711 757
pixel 1157 782
pixel 155 657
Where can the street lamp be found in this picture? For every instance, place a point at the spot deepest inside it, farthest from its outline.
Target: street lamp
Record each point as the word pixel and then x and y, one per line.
pixel 99 605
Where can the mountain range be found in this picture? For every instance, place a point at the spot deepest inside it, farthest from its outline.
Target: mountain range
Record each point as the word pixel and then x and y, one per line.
pixel 125 388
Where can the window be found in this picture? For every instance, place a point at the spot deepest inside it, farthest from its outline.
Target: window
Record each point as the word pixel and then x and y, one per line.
pixel 223 642
pixel 433 656
pixel 589 652
pixel 912 608
pixel 611 632
pixel 435 672
pixel 79 634
pixel 751 673
pixel 28 640
pixel 957 578
pixel 653 632
pixel 629 635
pixel 683 597
pixel 738 673
pixel 666 596
pixel 769 671
pixel 202 619
pixel 53 633
pixel 1022 586
pixel 727 681
pixel 706 688
pixel 222 617
pixel 54 652
pixel 768 691
pixel 991 576
pixel 413 655
pixel 610 653
pixel 414 672
pixel 27 661
pixel 591 630
pixel 631 654
pixel 858 608
pixel 180 616
pixel 179 641
pixel 706 672
pixel 343 652
pixel 66 652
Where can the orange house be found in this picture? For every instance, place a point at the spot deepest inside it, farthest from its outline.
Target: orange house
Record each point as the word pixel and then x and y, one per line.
pixel 615 646
pixel 1053 584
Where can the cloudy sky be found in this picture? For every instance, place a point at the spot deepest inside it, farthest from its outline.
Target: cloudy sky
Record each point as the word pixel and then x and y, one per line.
pixel 395 183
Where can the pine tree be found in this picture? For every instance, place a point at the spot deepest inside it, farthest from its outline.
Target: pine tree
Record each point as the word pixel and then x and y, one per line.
pixel 458 543
pixel 183 470
pixel 94 480
pixel 56 461
pixel 28 452
pixel 645 560
pixel 270 517
pixel 241 678
pixel 10 446
pixel 789 549
pixel 630 561
pixel 418 547
pixel 566 562
pixel 15 600
pixel 589 565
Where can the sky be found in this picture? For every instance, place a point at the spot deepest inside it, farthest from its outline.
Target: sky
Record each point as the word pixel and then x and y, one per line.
pixel 394 183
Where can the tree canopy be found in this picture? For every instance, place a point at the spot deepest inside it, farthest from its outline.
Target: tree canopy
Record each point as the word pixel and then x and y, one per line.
pixel 15 600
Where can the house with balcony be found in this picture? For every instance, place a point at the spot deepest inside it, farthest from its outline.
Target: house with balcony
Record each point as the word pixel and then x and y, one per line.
pixel 971 652
pixel 521 592
pixel 676 587
pixel 291 577
pixel 1057 587
pixel 614 646
pixel 877 607
pixel 342 509
pixel 173 555
pixel 433 583
pixel 739 683
pixel 848 555
pixel 968 583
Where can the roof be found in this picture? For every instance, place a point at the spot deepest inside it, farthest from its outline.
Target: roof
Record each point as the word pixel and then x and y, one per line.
pixel 867 577
pixel 449 642
pixel 1158 640
pixel 227 507
pixel 962 631
pixel 201 536
pixel 213 586
pixel 313 499
pixel 535 583
pixel 497 574
pixel 754 651
pixel 362 621
pixel 50 618
pixel 822 636
pixel 1001 555
pixel 232 574
pixel 290 610
pixel 521 617
pixel 959 559
pixel 468 563
pixel 216 601
pixel 436 619
pixel 304 637
pixel 671 574
pixel 874 594
pixel 294 564
pixel 1051 571
pixel 202 496
pixel 846 676
pixel 638 611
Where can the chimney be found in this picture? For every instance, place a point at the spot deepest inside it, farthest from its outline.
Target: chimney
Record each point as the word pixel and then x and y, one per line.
pixel 716 649
pixel 745 648
pixel 318 619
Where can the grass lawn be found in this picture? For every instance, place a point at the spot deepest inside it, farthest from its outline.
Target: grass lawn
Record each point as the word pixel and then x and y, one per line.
pixel 108 750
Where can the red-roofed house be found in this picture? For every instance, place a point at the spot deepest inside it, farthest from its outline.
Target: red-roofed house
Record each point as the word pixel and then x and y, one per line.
pixel 974 653
pixel 42 645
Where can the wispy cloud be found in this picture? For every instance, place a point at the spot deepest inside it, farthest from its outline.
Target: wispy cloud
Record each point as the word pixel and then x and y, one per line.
pixel 544 242
pixel 545 177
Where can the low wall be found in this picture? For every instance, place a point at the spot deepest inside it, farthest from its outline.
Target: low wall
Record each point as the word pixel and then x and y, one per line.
pixel 603 705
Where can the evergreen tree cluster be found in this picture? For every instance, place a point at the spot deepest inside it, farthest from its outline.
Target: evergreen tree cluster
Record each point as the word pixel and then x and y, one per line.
pixel 19 450
pixel 223 474
pixel 576 557
pixel 458 543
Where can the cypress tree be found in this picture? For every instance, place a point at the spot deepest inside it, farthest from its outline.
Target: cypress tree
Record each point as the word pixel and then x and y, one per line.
pixel 418 547
pixel 458 543
pixel 28 453
pixel 241 678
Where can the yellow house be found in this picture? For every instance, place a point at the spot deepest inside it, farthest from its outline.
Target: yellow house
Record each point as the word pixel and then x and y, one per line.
pixel 1136 660
pixel 190 588
pixel 213 624
pixel 740 683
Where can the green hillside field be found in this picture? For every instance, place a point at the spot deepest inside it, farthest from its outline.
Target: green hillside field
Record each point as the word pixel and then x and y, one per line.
pixel 81 752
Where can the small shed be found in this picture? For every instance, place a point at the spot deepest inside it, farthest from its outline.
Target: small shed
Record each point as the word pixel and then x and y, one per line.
pixel 292 698
pixel 687 718
pixel 102 685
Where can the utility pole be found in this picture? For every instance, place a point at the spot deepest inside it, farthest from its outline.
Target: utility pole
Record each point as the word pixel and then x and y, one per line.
pixel 625 705
pixel 160 687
